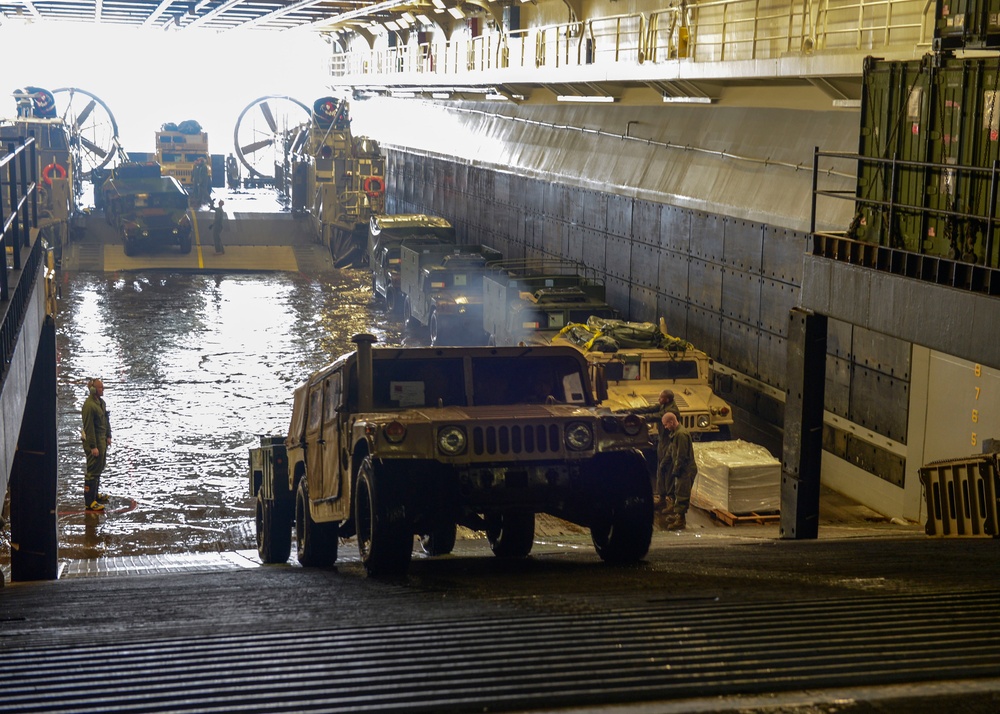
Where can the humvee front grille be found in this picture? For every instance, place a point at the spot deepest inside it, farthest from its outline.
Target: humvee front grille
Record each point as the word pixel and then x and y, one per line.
pixel 516 439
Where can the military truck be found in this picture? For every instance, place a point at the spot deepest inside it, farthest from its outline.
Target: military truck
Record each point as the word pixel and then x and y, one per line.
pixel 146 208
pixel 530 301
pixel 443 286
pixel 637 361
pixel 384 227
pixel 385 267
pixel 393 442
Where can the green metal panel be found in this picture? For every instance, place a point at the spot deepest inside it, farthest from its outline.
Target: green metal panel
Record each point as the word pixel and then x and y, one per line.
pixel 967 23
pixel 943 112
pixel 895 124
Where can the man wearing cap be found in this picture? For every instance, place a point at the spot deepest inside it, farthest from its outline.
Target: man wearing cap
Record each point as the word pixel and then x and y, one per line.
pixel 218 223
pixel 96 440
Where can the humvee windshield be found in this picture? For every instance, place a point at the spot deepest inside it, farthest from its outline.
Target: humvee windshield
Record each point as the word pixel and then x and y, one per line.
pixel 669 369
pixel 409 383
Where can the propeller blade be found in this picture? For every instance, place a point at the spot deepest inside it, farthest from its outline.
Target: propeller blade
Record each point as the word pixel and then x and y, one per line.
pixel 82 116
pixel 92 147
pixel 256 146
pixel 265 109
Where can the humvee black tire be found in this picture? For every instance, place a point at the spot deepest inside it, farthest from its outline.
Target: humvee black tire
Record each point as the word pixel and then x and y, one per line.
pixel 511 535
pixel 385 539
pixel 185 245
pixel 408 319
pixel 274 530
pixel 623 533
pixel 391 301
pixel 440 541
pixel 439 333
pixel 315 543
pixel 129 246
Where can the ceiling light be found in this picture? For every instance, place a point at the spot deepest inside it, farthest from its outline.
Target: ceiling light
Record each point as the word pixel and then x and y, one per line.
pixel 596 98
pixel 391 25
pixel 456 12
pixel 440 95
pixel 439 4
pixel 403 95
pixel 688 100
pixel 408 16
pixel 424 19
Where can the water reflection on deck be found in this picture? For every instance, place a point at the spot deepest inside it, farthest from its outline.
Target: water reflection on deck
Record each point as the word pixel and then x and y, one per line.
pixel 195 366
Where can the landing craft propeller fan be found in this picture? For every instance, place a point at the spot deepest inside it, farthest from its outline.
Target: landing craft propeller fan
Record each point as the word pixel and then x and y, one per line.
pixel 264 131
pixel 93 131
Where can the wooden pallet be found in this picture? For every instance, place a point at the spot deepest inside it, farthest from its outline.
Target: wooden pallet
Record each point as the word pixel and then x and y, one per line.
pixel 731 519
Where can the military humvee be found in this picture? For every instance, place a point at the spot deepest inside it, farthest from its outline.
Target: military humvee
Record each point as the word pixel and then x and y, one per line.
pixel 384 228
pixel 444 291
pixel 530 301
pixel 386 265
pixel 390 443
pixel 636 372
pixel 146 208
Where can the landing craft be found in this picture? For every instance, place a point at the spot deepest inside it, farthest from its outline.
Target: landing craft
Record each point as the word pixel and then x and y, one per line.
pixel 76 136
pixel 334 179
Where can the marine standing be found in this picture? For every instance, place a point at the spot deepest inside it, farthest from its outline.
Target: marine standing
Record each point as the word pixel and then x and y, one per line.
pixel 218 224
pixel 201 183
pixel 679 469
pixel 665 402
pixel 96 436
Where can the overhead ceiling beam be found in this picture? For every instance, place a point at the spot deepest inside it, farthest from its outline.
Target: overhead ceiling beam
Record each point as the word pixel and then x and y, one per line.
pixel 362 12
pixel 214 12
pixel 160 9
pixel 32 9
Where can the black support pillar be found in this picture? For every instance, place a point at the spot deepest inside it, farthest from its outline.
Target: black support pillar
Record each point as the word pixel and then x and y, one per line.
pixel 34 540
pixel 803 440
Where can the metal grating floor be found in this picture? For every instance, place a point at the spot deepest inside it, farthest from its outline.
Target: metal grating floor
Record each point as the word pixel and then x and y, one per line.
pixel 692 649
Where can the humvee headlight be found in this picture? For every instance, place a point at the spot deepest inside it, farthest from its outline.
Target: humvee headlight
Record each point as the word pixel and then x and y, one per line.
pixel 451 440
pixel 703 421
pixel 394 432
pixel 632 424
pixel 578 436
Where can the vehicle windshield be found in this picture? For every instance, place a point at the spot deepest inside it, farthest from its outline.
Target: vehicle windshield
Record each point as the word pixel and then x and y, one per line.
pixel 407 383
pixel 516 380
pixel 436 381
pixel 674 369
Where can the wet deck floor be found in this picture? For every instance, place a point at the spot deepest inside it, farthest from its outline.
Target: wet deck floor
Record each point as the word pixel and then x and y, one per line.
pixel 165 607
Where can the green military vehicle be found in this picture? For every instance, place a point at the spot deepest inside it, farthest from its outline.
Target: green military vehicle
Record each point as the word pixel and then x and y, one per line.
pixel 388 227
pixel 386 265
pixel 444 290
pixel 147 209
pixel 530 301
pixel 390 443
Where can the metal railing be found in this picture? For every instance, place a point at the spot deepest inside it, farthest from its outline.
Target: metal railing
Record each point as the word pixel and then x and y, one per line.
pixel 18 213
pixel 718 31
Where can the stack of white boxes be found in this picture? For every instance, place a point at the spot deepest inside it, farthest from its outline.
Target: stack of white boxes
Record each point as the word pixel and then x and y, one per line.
pixel 736 477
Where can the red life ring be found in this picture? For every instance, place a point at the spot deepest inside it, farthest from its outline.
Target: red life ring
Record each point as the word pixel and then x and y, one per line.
pixel 374 185
pixel 48 169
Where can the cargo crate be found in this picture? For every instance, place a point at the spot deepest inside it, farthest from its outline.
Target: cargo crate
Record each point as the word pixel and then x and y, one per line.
pixel 966 24
pixel 962 496
pixel 930 142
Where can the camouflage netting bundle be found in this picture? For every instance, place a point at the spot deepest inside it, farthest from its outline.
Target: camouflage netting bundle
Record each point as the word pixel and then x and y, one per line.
pixel 606 335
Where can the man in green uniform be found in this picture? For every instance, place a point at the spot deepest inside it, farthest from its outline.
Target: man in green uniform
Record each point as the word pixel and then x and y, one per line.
pixel 679 469
pixel 96 440
pixel 664 403
pixel 201 188
pixel 218 224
